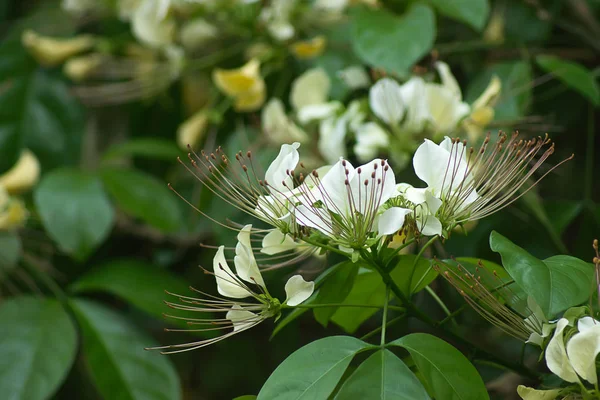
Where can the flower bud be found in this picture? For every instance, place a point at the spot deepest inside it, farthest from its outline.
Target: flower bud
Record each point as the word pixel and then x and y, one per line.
pixel 23 175
pixel 80 68
pixel 192 130
pixel 50 51
pixel 307 49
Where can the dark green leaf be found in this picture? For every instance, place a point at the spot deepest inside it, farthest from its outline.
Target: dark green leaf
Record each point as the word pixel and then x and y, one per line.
pixel 152 148
pixel 382 376
pixel 562 212
pixel 334 290
pixel 516 78
pixel 144 197
pixel 74 210
pixel 38 342
pixel 395 44
pixel 555 283
pixel 368 290
pixel 412 277
pixel 472 12
pixel 313 371
pixel 573 75
pixel 448 373
pixel 10 250
pixel 122 278
pixel 114 351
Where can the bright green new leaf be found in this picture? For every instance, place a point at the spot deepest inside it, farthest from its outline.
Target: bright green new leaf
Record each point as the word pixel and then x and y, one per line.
pixel 556 283
pixel 395 44
pixel 448 373
pixel 38 342
pixel 472 12
pixel 412 277
pixel 382 376
pixel 75 210
pixel 118 364
pixel 573 75
pixel 313 371
pixel 122 278
pixel 335 290
pixel 143 196
pixel 10 250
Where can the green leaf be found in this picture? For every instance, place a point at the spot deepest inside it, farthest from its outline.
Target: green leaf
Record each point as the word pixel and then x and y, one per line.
pixel 75 210
pixel 38 342
pixel 447 372
pixel 368 289
pixel 246 397
pixel 573 75
pixel 395 44
pixel 313 371
pixel 144 197
pixel 10 250
pixel 382 376
pixel 562 212
pixel 122 277
pixel 412 277
pixel 516 78
pixel 334 290
pixel 555 283
pixel 472 12
pixel 152 148
pixel 114 351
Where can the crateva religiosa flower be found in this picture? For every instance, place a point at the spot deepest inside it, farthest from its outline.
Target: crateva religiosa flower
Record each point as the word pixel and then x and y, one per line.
pixel 240 315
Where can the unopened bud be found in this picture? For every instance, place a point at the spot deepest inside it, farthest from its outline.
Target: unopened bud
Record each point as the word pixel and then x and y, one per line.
pixel 50 51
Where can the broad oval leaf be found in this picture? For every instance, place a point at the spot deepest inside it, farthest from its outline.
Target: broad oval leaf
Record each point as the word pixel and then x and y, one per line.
pixel 555 283
pixel 448 373
pixel 573 75
pixel 122 277
pixel 143 196
pixel 395 44
pixel 116 359
pixel 313 371
pixel 382 376
pixel 10 250
pixel 38 342
pixel 412 274
pixel 75 210
pixel 472 12
pixel 335 290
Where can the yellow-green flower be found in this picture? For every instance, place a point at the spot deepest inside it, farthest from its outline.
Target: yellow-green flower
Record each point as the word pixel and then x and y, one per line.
pixel 23 175
pixel 192 130
pixel 306 49
pixel 244 84
pixel 50 51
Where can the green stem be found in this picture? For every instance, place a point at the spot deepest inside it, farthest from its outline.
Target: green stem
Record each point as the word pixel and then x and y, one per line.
pixel 384 319
pixel 419 254
pixel 388 324
pixel 325 246
pixel 454 314
pixel 413 311
pixel 440 303
pixel 398 250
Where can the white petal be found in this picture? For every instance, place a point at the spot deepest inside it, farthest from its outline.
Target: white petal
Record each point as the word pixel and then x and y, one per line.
pixel 315 112
pixel 276 242
pixel 245 263
pixel 583 349
pixel 240 318
pixel 446 111
pixel 586 323
pixel 384 185
pixel 227 283
pixel 150 26
pixel 392 220
pixel 334 189
pixel 429 225
pixel 448 80
pixel 277 126
pixel 311 217
pixel 414 96
pixel 430 162
pixel 370 137
pixel 312 87
pixel 528 393
pixel 332 135
pixel 386 101
pixel 489 95
pixel 298 290
pixel 277 174
pixel 556 354
pixel 355 77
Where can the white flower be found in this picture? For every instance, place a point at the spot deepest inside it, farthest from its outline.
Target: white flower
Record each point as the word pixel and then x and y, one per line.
pixel 277 18
pixel 355 77
pixel 584 347
pixel 278 175
pixel 151 24
pixel 418 114
pixel 276 242
pixel 278 127
pixel 426 206
pixel 310 88
pixel 197 33
pixel 370 138
pixel 385 100
pixel 345 203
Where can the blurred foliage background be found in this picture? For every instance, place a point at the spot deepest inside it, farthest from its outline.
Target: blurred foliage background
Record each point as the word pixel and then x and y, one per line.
pixel 99 98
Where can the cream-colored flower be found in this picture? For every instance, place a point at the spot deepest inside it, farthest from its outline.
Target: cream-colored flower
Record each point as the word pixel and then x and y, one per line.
pixel 12 212
pixel 482 109
pixel 528 393
pixel 278 127
pixel 307 49
pixel 310 89
pixel 197 33
pixel 23 175
pixel 191 131
pixel 355 77
pixel 81 68
pixel 49 51
pixel 151 24
pixel 244 84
